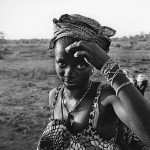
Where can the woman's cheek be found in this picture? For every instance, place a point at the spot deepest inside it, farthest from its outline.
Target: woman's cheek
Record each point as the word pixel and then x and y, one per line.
pixel 60 72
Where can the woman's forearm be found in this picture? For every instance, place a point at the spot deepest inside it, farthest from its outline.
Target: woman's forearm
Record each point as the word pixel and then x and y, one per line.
pixel 136 106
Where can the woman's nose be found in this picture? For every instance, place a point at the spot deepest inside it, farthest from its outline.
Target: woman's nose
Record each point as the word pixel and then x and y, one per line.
pixel 69 71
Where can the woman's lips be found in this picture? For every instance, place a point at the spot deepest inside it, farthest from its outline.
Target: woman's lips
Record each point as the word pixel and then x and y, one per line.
pixel 70 82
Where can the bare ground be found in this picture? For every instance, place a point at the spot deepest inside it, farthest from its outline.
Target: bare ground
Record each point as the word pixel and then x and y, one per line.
pixel 26 76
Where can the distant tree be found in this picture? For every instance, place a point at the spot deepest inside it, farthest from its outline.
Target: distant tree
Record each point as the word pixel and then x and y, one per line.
pixel 2 37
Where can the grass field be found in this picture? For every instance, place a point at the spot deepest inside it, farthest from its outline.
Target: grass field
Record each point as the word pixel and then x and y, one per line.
pixel 26 76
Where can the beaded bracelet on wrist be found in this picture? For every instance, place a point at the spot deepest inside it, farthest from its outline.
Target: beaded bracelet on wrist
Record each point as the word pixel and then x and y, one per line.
pixel 107 69
pixel 119 71
pixel 108 65
pixel 121 86
pixel 110 75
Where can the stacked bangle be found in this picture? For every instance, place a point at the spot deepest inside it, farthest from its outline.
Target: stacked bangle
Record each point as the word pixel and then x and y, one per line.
pixel 121 86
pixel 107 67
pixel 109 74
pixel 119 71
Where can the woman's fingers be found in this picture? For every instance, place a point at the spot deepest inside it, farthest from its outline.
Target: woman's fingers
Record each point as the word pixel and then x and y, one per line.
pixel 82 54
pixel 90 51
pixel 87 57
pixel 76 46
pixel 80 49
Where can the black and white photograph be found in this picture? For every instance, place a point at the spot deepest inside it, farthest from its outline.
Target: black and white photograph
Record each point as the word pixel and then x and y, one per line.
pixel 74 75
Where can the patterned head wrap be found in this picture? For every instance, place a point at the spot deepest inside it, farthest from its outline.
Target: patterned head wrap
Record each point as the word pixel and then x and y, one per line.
pixel 82 28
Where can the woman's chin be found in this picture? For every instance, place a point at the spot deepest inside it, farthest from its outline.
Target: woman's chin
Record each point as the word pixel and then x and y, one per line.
pixel 71 86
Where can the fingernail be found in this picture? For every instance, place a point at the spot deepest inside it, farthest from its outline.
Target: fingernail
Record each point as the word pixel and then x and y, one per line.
pixel 66 49
pixel 75 55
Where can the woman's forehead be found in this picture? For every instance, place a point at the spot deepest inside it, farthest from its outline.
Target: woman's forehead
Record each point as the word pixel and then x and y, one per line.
pixel 60 52
pixel 60 49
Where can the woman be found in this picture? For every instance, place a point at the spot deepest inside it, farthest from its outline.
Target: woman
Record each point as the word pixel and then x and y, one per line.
pixel 142 83
pixel 88 115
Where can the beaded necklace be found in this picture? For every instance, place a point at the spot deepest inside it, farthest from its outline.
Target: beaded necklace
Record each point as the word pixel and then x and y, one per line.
pixel 83 96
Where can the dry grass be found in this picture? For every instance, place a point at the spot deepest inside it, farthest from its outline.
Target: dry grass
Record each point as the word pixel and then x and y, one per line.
pixel 26 76
pixel 37 73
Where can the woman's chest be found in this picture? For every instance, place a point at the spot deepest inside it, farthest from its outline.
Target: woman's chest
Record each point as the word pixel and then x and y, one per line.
pixel 78 120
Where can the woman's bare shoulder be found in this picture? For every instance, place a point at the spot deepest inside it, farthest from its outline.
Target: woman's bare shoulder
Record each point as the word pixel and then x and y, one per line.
pixel 52 94
pixel 52 91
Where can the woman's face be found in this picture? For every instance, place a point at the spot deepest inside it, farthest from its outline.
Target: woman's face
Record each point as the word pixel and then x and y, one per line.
pixel 73 72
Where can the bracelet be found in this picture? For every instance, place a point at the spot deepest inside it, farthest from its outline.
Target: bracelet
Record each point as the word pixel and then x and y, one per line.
pixel 107 71
pixel 119 71
pixel 130 75
pixel 121 86
pixel 107 68
pixel 108 65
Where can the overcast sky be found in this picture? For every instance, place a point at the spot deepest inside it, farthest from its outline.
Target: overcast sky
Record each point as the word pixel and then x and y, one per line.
pixel 33 18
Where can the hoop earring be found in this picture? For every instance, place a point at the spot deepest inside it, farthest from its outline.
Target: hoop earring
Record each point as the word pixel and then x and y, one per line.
pixel 92 72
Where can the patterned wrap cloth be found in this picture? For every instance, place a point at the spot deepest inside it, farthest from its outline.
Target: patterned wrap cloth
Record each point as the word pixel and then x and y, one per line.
pixel 81 28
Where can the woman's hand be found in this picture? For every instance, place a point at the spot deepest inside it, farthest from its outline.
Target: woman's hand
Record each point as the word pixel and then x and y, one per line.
pixel 90 51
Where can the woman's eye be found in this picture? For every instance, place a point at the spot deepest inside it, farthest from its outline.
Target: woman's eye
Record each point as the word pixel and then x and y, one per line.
pixel 62 64
pixel 81 66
